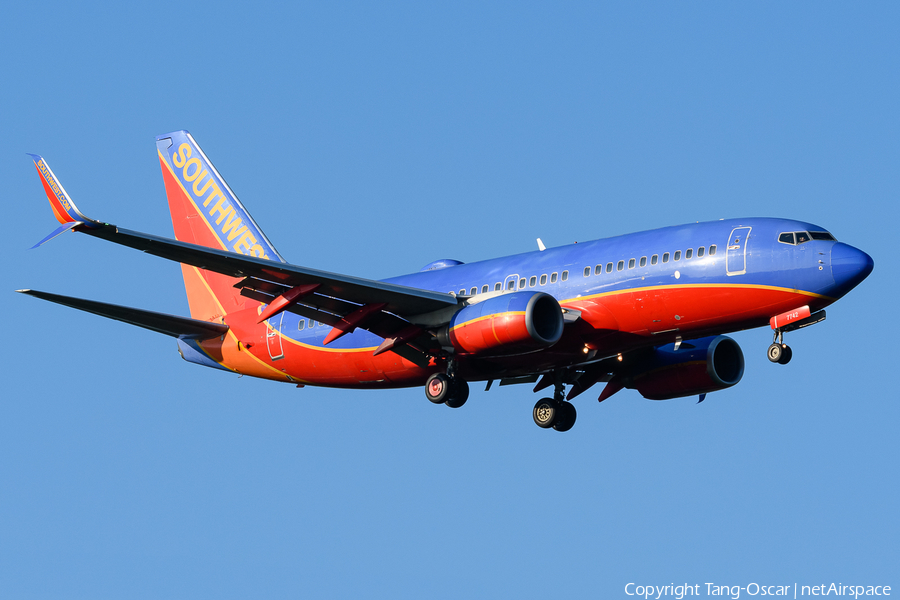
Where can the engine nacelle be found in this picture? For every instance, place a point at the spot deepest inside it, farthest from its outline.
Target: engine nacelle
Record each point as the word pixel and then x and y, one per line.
pixel 505 324
pixel 698 367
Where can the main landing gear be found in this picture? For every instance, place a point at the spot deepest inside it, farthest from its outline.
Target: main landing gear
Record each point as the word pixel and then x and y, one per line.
pixel 447 389
pixel 779 352
pixel 555 412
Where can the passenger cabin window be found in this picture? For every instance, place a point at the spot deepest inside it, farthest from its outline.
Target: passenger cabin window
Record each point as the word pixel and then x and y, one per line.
pixel 552 277
pixel 532 282
pixel 630 263
pixel 312 323
pixel 485 288
pixel 462 292
pixel 587 271
pixel 498 286
pixel 598 269
pixel 620 265
pixel 301 324
pixel 712 250
pixel 654 259
pixel 665 257
pixel 677 255
pixel 511 284
pixel 700 251
pixel 787 238
pixel 689 253
pixel 543 280
pixel 522 284
pixel 609 267
pixel 473 291
pixel 643 261
pixel 565 275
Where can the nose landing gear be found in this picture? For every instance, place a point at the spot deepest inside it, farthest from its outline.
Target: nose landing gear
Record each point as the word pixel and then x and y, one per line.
pixel 779 352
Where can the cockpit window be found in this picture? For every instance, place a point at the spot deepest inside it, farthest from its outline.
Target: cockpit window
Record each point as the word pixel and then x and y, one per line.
pixel 801 237
pixel 786 238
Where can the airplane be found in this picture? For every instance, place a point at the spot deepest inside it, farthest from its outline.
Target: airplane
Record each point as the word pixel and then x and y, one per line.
pixel 646 311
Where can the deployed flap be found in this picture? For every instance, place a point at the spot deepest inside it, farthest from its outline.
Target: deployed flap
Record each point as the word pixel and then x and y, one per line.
pixel 180 327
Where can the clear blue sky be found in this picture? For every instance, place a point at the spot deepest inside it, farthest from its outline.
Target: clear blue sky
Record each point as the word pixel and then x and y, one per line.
pixel 371 139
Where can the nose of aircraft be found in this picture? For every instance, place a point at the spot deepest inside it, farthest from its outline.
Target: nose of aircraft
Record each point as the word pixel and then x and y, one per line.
pixel 849 266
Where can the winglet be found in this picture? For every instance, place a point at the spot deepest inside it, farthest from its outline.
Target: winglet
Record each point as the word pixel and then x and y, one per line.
pixel 58 231
pixel 63 208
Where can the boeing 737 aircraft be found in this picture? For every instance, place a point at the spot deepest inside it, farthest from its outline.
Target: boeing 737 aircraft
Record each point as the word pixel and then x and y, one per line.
pixel 644 311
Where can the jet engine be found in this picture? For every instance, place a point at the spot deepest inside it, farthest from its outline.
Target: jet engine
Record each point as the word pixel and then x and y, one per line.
pixel 505 324
pixel 697 367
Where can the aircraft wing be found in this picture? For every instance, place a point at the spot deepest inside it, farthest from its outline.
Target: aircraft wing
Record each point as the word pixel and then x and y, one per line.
pixel 397 299
pixel 342 301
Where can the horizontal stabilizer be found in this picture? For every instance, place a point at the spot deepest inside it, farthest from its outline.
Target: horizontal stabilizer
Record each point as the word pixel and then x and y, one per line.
pixel 180 327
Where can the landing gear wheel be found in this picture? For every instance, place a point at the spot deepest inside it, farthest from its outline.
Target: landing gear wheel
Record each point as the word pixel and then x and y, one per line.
pixel 459 393
pixel 545 412
pixel 786 355
pixel 438 388
pixel 565 419
pixel 775 352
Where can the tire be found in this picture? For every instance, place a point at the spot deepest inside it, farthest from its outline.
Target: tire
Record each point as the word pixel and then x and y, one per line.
pixel 774 353
pixel 438 388
pixel 566 417
pixel 459 395
pixel 786 355
pixel 545 412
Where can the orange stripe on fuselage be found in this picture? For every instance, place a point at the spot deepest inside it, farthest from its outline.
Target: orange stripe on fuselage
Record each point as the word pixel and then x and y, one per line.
pixel 698 286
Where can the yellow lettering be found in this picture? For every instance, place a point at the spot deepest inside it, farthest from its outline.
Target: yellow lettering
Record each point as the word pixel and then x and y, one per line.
pixel 242 246
pixel 199 193
pixel 216 192
pixel 258 251
pixel 222 209
pixel 193 161
pixel 184 152
pixel 231 224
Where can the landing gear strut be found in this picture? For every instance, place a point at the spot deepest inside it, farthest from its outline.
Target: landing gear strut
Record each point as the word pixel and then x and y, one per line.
pixel 555 412
pixel 779 352
pixel 447 389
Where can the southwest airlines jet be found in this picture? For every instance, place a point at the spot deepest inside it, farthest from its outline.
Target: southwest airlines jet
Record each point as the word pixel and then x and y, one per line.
pixel 644 311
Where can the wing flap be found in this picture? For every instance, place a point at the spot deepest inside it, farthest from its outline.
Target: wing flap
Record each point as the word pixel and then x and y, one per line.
pixel 382 324
pixel 175 326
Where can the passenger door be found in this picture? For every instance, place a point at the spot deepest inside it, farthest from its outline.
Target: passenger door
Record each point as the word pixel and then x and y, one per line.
pixel 736 255
pixel 273 339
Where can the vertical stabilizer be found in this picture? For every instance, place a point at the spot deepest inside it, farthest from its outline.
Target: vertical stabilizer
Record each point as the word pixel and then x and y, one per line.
pixel 206 212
